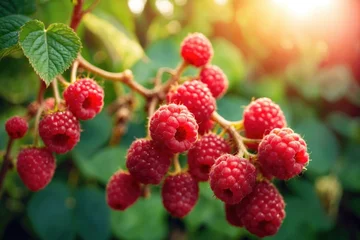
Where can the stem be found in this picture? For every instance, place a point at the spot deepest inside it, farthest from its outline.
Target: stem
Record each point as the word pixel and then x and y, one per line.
pixel 159 74
pixel 74 71
pixel 63 81
pixel 6 163
pixel 177 73
pixel 77 14
pixel 92 6
pixel 37 120
pixel 229 127
pixel 42 88
pixel 125 77
pixel 177 167
pixel 56 92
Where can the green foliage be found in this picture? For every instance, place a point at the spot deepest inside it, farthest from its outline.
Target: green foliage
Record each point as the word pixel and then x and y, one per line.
pixel 10 7
pixel 50 51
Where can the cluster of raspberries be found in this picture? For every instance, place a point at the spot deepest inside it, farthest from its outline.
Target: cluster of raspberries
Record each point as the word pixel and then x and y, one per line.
pixel 59 129
pixel 184 125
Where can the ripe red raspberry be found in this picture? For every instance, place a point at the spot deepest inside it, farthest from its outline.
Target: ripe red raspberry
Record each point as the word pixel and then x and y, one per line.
pixel 283 153
pixel 205 127
pixel 196 96
pixel 174 126
pixel 36 167
pixel 215 79
pixel 147 162
pixel 180 194
pixel 231 215
pixel 84 98
pixel 60 131
pixel 260 117
pixel 232 178
pixel 204 153
pixel 122 190
pixel 196 49
pixel 262 211
pixel 16 127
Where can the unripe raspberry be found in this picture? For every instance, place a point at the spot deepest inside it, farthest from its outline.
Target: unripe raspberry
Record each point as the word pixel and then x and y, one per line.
pixel 180 194
pixel 215 79
pixel 205 126
pixel 174 126
pixel 122 191
pixel 147 162
pixel 36 167
pixel 232 178
pixel 262 211
pixel 84 98
pixel 196 49
pixel 260 117
pixel 60 131
pixel 196 96
pixel 231 215
pixel 16 127
pixel 204 153
pixel 283 153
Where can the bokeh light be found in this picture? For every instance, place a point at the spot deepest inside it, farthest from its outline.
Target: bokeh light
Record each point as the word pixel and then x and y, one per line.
pixel 136 6
pixel 165 7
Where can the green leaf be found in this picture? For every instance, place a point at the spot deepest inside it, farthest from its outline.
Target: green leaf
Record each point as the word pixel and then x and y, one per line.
pixel 50 212
pixel 9 7
pixel 322 145
pixel 9 33
pixel 232 107
pixel 119 45
pixel 350 168
pixel 144 220
pixel 105 163
pixel 92 215
pixel 345 125
pixel 50 51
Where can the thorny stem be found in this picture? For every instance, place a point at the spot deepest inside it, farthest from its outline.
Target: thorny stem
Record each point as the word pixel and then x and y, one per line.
pixel 74 71
pixel 56 92
pixel 229 127
pixel 6 163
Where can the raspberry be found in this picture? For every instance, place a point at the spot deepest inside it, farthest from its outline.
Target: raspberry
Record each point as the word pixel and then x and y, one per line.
pixel 147 162
pixel 122 190
pixel 215 79
pixel 16 127
pixel 84 98
pixel 60 131
pixel 205 127
pixel 196 96
pixel 180 194
pixel 232 178
pixel 174 126
pixel 36 167
pixel 260 117
pixel 231 215
pixel 262 211
pixel 196 49
pixel 204 153
pixel 283 153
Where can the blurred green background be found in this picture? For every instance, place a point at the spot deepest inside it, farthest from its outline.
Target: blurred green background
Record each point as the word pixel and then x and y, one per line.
pixel 305 55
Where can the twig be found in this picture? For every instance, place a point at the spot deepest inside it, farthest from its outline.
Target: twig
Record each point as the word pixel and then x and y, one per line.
pixel 74 71
pixel 56 92
pixel 92 6
pixel 63 81
pixel 77 14
pixel 125 77
pixel 37 120
pixel 6 163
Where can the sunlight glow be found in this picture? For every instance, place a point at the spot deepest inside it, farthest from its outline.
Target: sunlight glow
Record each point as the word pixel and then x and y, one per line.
pixel 304 8
pixel 165 7
pixel 221 2
pixel 136 6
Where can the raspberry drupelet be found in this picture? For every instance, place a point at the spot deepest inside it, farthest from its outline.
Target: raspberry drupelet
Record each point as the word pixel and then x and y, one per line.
pixel 204 153
pixel 60 131
pixel 232 178
pixel 36 167
pixel 122 190
pixel 147 162
pixel 262 211
pixel 215 79
pixel 196 49
pixel 16 127
pixel 180 194
pixel 84 98
pixel 174 126
pixel 196 96
pixel 283 153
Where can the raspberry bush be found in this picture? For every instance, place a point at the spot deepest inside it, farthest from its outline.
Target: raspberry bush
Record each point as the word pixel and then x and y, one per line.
pixel 186 146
